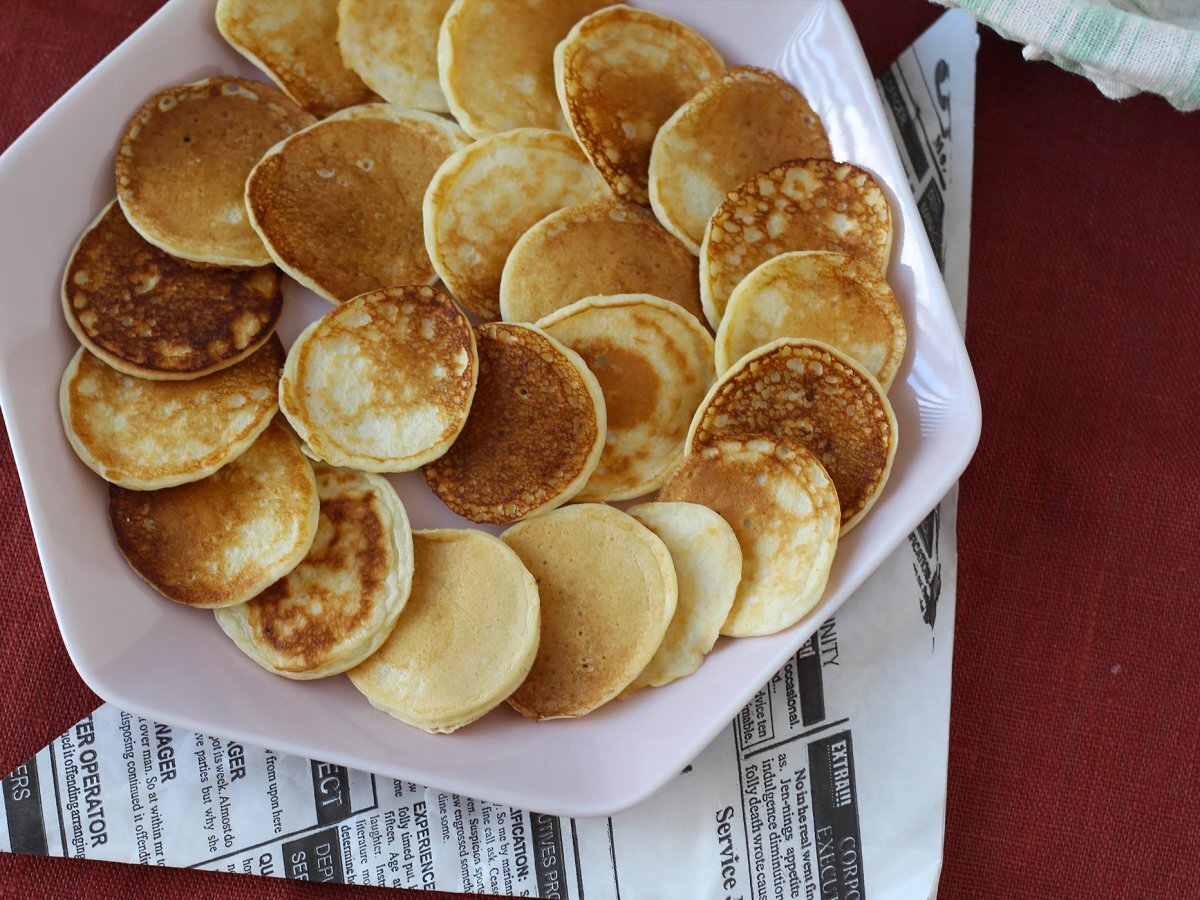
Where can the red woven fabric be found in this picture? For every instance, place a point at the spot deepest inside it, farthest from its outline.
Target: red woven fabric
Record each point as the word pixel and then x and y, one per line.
pixel 1074 732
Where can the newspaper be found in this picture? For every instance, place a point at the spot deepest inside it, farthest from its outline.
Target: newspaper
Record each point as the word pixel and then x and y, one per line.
pixel 831 783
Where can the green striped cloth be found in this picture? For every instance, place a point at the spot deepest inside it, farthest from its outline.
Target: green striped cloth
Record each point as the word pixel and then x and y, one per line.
pixel 1124 46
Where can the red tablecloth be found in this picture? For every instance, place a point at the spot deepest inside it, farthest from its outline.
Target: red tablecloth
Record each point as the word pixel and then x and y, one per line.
pixel 1075 727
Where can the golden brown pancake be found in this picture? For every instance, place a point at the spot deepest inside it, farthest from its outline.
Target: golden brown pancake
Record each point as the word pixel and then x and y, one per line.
pixel 145 435
pixel 830 297
pixel 182 166
pixel 594 249
pixel 620 74
pixel 296 43
pixel 468 636
pixel 339 204
pixel 393 48
pixel 221 540
pixel 340 603
pixel 742 122
pixel 783 508
pixel 147 314
pixel 805 204
pixel 808 392
pixel 496 61
pixel 708 567
pixel 488 194
pixel 608 592
pixel 654 363
pixel 534 434
pixel 384 381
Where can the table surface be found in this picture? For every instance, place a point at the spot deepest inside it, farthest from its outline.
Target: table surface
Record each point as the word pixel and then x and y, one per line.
pixel 1074 734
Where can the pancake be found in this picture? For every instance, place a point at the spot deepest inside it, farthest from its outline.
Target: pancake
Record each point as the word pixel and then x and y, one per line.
pixel 146 314
pixel 608 592
pixel 221 540
pixel 183 161
pixel 145 435
pixel 487 195
pixel 810 393
pixel 805 204
pixel 829 297
pixel 620 74
pixel 592 249
pixel 338 205
pixel 654 363
pixel 783 507
pixel 495 61
pixel 393 47
pixel 384 381
pixel 708 567
pixel 467 639
pixel 340 603
pixel 742 122
pixel 296 44
pixel 534 434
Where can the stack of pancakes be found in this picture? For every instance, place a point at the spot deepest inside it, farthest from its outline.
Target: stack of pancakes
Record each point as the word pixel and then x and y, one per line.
pixel 574 260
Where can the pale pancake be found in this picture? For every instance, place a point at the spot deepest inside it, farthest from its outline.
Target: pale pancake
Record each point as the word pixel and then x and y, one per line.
pixel 592 249
pixel 147 314
pixel 468 636
pixel 805 204
pixel 223 539
pixel 708 566
pixel 534 434
pixel 338 205
pixel 383 382
pixel 810 393
pixel 340 603
pixel 145 435
pixel 783 507
pixel 743 122
pixel 608 593
pixel 654 363
pixel 496 61
pixel 296 43
pixel 620 74
pixel 183 161
pixel 393 48
pixel 488 194
pixel 830 297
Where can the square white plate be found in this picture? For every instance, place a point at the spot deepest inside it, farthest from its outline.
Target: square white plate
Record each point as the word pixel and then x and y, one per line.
pixel 172 664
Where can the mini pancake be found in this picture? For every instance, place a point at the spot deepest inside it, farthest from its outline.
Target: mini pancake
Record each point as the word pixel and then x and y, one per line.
pixel 488 194
pixel 183 161
pixel 708 566
pixel 783 507
pixel 340 603
pixel 742 122
pixel 830 297
pixel 296 44
pixel 654 363
pixel 593 249
pixel 147 314
pixel 495 61
pixel 535 431
pixel 620 74
pixel 221 540
pixel 805 204
pixel 383 382
pixel 810 393
pixel 468 636
pixel 338 205
pixel 608 593
pixel 145 435
pixel 393 48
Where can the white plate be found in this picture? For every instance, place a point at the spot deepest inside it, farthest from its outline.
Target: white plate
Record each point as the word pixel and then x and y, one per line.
pixel 172 664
